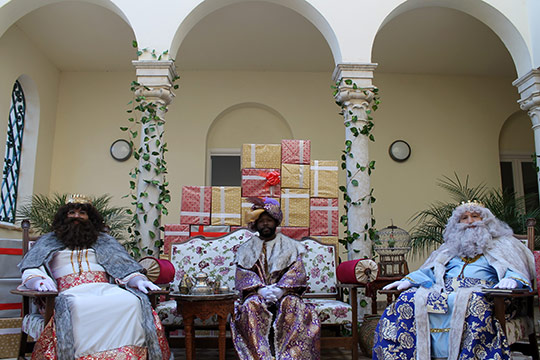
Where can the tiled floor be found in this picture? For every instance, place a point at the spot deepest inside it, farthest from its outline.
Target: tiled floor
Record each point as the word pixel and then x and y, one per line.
pixel 212 354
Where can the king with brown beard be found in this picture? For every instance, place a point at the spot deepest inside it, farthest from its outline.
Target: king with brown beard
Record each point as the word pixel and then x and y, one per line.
pixel 443 313
pixel 94 317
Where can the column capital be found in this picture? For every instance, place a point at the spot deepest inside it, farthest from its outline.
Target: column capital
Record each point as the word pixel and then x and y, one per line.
pixel 529 89
pixel 362 73
pixel 158 76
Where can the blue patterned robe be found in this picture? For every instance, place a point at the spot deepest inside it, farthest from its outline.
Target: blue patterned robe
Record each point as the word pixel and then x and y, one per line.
pixel 482 336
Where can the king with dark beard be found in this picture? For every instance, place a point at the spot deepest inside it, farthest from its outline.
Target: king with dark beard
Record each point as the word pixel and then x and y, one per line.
pixel 94 317
pixel 443 313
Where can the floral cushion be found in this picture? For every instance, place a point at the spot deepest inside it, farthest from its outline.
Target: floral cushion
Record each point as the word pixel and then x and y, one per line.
pixel 518 328
pixel 320 264
pixel 214 257
pixel 331 311
pixel 33 325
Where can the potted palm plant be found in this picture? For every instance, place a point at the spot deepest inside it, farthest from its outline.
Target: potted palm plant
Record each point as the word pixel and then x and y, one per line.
pixel 40 210
pixel 430 223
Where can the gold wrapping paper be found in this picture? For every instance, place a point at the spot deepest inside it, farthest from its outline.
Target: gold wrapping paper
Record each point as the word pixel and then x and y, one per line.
pixel 295 207
pixel 226 201
pixel 329 240
pixel 324 179
pixel 10 337
pixel 246 206
pixel 261 156
pixel 295 176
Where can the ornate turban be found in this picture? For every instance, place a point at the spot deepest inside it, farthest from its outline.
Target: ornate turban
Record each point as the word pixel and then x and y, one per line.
pixel 266 205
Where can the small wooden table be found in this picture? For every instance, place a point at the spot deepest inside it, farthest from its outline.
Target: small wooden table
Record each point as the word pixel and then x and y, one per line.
pixel 204 306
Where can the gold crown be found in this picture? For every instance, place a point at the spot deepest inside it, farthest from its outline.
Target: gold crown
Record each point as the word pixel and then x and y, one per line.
pixel 472 203
pixel 78 199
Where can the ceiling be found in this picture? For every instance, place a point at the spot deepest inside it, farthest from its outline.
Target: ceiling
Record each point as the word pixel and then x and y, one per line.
pixel 259 36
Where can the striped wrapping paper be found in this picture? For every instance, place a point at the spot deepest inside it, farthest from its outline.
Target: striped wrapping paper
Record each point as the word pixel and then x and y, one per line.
pixel 324 179
pixel 196 205
pixel 261 156
pixel 323 217
pixel 226 205
pixel 209 231
pixel 295 151
pixel 294 176
pixel 10 256
pixel 295 207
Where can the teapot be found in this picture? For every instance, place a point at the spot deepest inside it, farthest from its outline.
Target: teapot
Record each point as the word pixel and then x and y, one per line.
pixel 201 286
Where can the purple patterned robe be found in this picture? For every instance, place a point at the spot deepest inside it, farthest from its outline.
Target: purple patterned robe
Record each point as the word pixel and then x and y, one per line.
pixel 296 324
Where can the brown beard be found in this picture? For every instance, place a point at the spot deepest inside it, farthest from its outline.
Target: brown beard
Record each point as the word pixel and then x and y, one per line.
pixel 77 233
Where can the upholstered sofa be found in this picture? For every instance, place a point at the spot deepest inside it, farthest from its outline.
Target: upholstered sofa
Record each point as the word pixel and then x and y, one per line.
pixel 215 257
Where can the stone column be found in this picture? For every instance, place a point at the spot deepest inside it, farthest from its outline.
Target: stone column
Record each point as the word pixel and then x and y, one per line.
pixel 156 79
pixel 355 95
pixel 529 90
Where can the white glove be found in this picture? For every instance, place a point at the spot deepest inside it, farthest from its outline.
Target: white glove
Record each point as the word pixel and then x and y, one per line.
pixel 507 284
pixel 277 291
pixel 142 283
pixel 40 284
pixel 267 293
pixel 400 285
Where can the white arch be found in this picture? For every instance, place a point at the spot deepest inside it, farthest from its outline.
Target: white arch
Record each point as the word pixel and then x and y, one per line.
pixel 12 11
pixel 302 7
pixel 486 13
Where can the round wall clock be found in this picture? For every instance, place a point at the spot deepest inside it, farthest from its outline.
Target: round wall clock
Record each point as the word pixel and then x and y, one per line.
pixel 121 150
pixel 399 150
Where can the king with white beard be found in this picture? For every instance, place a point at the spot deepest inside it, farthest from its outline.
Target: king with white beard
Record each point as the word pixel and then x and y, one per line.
pixel 443 313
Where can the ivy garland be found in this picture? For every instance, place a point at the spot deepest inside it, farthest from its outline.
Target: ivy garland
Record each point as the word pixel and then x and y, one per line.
pixel 146 118
pixel 358 127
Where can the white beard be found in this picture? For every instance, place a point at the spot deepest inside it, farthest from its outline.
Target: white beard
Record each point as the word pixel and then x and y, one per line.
pixel 469 240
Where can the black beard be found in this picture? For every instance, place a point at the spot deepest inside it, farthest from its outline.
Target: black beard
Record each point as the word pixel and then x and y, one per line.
pixel 266 232
pixel 77 233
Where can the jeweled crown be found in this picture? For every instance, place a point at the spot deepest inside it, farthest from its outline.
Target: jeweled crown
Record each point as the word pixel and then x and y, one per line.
pixel 472 203
pixel 78 199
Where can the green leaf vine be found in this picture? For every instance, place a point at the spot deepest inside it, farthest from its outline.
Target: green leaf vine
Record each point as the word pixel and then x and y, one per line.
pixel 144 115
pixel 357 127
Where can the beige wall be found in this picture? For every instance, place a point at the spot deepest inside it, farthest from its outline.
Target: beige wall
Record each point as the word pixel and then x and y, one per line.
pixel 18 57
pixel 517 135
pixel 452 124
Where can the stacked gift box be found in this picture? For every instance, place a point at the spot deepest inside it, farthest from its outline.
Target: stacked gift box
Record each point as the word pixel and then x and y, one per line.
pixel 306 189
pixel 10 305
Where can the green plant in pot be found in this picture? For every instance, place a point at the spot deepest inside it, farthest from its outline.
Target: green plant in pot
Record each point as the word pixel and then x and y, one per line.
pixel 40 210
pixel 430 223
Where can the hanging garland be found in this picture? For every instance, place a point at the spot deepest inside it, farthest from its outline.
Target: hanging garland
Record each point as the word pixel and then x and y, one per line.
pixel 358 127
pixel 145 116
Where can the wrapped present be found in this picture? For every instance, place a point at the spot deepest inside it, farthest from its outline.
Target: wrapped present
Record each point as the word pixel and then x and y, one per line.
pixel 294 176
pixel 296 233
pixel 10 256
pixel 246 206
pixel 295 151
pixel 209 231
pixel 196 205
pixel 323 217
pixel 330 240
pixel 324 179
pixel 295 207
pixel 234 228
pixel 261 182
pixel 10 337
pixel 226 205
pixel 173 234
pixel 261 156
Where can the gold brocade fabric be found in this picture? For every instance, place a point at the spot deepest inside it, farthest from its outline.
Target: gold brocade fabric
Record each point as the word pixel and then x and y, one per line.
pixel 86 277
